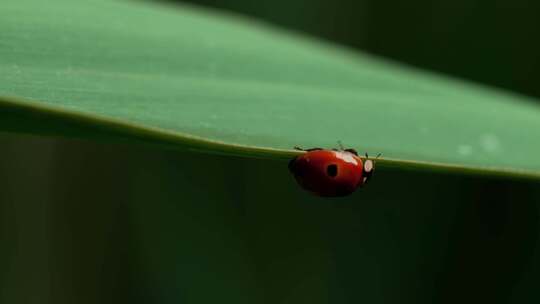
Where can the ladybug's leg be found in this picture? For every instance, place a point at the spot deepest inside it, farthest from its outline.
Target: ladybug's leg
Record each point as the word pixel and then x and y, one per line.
pixel 307 150
pixel 291 165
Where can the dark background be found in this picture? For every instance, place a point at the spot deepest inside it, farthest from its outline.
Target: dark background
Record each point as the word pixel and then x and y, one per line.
pixel 495 42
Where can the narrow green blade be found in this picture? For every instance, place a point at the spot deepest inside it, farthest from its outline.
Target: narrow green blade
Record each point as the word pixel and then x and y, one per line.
pixel 126 70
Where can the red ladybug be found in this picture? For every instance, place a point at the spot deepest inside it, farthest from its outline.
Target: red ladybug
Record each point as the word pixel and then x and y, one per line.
pixel 331 173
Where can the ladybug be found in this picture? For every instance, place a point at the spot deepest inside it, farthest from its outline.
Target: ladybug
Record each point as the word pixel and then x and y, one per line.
pixel 331 173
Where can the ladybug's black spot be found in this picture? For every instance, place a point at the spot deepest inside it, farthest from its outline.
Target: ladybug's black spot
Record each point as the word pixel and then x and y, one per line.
pixel 331 170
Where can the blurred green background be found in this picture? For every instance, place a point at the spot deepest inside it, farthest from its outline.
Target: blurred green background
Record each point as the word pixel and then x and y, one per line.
pixel 83 222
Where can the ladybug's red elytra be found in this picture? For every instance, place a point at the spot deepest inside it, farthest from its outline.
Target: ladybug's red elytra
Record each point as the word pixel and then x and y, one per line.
pixel 331 173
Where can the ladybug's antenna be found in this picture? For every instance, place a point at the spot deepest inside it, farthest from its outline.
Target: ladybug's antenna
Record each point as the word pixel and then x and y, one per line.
pixel 340 145
pixel 377 157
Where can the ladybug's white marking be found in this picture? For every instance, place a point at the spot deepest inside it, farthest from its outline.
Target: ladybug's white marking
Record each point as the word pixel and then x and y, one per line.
pixel 346 156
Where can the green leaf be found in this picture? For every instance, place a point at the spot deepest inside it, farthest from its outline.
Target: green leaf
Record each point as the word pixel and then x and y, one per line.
pixel 184 77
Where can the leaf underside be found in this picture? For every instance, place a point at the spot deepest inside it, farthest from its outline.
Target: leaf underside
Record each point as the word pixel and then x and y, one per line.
pixel 184 77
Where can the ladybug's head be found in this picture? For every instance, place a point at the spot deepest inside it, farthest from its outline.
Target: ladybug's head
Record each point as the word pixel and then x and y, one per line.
pixel 369 167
